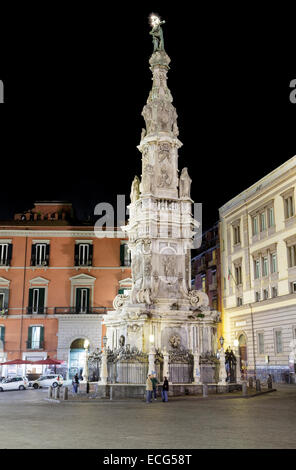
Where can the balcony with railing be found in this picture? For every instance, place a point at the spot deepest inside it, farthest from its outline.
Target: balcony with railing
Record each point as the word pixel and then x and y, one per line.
pixel 37 310
pixel 80 311
pixel 35 345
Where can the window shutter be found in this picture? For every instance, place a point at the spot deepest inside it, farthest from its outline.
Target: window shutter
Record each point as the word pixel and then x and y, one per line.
pixel 47 254
pixel 30 301
pixel 42 337
pixel 76 255
pixel 78 299
pixel 41 300
pixel 2 333
pixel 29 342
pixel 90 257
pixel 33 255
pixel 87 300
pixel 6 298
pixel 121 255
pixel 9 255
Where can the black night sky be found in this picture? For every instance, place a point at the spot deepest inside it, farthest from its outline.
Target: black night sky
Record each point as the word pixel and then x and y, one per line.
pixel 76 80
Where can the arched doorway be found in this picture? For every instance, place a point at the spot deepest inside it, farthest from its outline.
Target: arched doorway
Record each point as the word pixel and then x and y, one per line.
pixel 242 342
pixel 78 351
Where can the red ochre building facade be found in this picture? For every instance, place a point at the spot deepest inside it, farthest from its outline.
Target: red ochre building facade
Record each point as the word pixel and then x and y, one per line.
pixel 57 278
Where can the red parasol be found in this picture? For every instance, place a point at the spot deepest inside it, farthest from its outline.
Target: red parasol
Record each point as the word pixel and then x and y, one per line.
pixel 15 361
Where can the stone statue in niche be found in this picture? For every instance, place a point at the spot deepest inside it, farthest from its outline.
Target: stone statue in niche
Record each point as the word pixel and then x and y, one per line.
pixel 175 341
pixel 169 266
pixel 165 178
pixel 135 191
pixel 136 267
pixel 164 152
pixel 147 115
pixel 121 341
pixel 147 182
pixel 184 184
pixel 148 268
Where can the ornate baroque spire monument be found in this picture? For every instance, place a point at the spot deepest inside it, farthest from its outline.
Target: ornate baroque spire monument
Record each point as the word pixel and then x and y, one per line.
pixel 162 318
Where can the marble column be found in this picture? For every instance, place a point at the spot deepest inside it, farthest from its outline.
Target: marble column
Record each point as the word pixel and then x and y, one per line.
pixel 166 372
pixel 151 358
pixel 104 369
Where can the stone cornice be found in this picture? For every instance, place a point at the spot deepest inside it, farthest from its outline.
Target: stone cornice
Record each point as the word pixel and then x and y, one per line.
pixel 13 232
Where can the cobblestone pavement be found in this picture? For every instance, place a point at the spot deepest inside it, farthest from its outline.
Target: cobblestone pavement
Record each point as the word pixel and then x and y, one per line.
pixel 27 421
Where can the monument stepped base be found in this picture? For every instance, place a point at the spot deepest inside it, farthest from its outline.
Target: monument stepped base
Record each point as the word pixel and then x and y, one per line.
pixel 138 391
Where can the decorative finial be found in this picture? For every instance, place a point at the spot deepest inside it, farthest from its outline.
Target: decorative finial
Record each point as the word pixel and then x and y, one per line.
pixel 157 33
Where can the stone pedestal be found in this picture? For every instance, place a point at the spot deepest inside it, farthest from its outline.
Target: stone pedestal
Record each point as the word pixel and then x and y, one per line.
pixel 166 372
pixel 222 370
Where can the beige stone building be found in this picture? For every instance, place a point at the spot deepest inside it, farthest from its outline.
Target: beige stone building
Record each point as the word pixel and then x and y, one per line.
pixel 258 263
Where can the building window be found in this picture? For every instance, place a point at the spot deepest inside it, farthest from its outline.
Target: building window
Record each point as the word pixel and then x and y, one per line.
pixel 236 235
pixel 270 213
pixel 203 282
pixel 2 303
pixel 83 254
pixel 255 225
pixel 35 337
pixel 82 300
pixel 278 342
pixel 214 276
pixel 239 301
pixel 273 263
pixel 215 303
pixel 2 333
pixel 257 269
pixel 292 256
pixel 265 266
pixel 36 300
pixel 40 254
pixel 274 292
pixel 289 207
pixel 5 254
pixel 125 255
pixel 262 221
pixel 265 294
pixel 260 343
pixel 238 275
pixel 293 287
pixel 257 296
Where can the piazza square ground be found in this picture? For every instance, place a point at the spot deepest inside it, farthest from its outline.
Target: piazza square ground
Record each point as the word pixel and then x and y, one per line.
pixel 29 421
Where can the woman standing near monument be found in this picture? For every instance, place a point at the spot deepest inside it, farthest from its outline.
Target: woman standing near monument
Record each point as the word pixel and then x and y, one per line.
pixel 149 389
pixel 165 389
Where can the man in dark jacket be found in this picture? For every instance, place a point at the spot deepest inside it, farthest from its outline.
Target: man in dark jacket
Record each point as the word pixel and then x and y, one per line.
pixel 154 384
pixel 165 389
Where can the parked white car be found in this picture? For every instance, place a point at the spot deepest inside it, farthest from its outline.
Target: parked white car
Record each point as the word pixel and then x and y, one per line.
pixel 14 383
pixel 47 381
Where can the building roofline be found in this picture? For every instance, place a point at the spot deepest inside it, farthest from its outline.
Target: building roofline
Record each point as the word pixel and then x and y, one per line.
pixel 258 186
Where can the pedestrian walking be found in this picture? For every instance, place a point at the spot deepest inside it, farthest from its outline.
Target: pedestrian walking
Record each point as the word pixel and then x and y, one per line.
pixel 75 383
pixel 149 389
pixel 154 385
pixel 165 389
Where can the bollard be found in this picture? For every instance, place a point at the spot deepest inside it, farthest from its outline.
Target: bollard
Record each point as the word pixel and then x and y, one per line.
pixel 49 393
pixel 269 381
pixel 111 393
pixel 258 386
pixel 251 383
pixel 57 392
pixel 66 393
pixel 205 390
pixel 244 389
pixel 87 387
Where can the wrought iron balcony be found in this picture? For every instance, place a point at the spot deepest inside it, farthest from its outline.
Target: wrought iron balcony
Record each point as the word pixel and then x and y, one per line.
pixel 36 310
pixel 80 311
pixel 35 344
